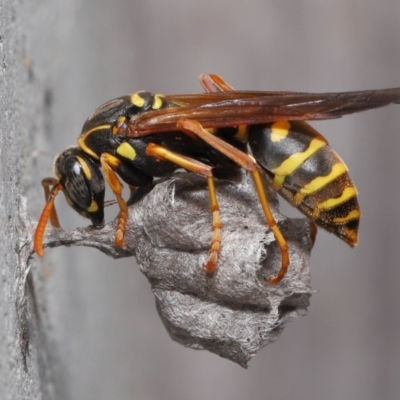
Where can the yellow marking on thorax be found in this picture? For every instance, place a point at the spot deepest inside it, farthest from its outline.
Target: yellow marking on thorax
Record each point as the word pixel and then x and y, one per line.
pixel 158 101
pixel 353 214
pixel 320 182
pixel 242 133
pixel 86 170
pixel 279 130
pixel 137 100
pixel 127 151
pixel 82 144
pixel 294 161
pixel 93 207
pixel 213 131
pixel 346 195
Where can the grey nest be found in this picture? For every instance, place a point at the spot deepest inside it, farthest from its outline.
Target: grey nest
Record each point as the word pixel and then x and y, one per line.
pixel 235 312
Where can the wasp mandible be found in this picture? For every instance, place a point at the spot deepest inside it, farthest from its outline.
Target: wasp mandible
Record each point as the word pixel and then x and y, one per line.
pixel 142 136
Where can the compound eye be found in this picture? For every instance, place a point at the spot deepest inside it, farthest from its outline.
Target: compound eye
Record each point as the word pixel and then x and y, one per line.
pixel 75 184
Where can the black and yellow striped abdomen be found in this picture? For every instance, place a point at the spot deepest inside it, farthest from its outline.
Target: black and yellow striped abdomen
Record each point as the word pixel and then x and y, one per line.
pixel 309 174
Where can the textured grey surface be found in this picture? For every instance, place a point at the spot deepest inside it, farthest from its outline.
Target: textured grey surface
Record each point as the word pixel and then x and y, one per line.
pixel 24 362
pixel 235 312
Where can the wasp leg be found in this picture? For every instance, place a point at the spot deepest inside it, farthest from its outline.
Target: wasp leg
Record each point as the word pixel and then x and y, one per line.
pixel 109 163
pixel 46 214
pixel 46 183
pixel 214 83
pixel 192 165
pixel 274 227
pixel 248 163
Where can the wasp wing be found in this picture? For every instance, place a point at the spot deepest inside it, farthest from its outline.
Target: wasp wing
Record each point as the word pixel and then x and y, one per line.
pixel 224 109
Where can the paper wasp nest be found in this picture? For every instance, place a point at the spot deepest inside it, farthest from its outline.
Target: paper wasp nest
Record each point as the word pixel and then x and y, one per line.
pixel 235 312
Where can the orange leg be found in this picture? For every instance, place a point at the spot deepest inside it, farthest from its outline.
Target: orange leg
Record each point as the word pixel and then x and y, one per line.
pixel 274 228
pixel 214 83
pixel 46 214
pixel 190 164
pixel 108 163
pixel 46 183
pixel 211 263
pixel 248 163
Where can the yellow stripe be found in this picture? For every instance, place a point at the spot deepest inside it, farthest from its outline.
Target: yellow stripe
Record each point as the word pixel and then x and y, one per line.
pixel 346 195
pixel 320 182
pixel 279 130
pixel 127 151
pixel 213 131
pixel 93 207
pixel 354 214
pixel 295 160
pixel 82 144
pixel 137 100
pixel 158 101
pixel 241 133
pixel 85 167
pixel 278 182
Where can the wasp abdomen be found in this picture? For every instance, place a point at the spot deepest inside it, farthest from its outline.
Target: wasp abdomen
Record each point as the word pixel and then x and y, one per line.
pixel 308 173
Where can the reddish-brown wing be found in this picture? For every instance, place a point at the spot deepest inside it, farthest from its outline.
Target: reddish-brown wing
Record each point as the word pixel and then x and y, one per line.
pixel 232 108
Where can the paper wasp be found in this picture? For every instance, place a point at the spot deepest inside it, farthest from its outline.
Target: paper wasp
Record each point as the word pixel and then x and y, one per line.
pixel 144 135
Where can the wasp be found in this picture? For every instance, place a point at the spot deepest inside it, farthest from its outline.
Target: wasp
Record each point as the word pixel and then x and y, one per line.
pixel 143 136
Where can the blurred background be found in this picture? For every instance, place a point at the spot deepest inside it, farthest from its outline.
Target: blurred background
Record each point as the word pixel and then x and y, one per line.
pixel 105 338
